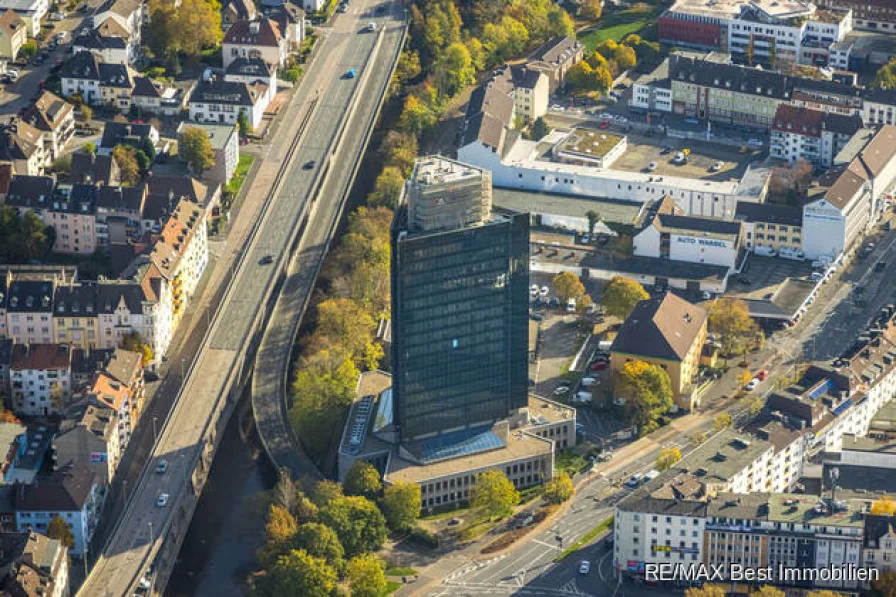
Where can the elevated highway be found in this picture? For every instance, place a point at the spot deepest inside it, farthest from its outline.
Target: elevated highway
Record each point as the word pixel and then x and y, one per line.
pixel 146 534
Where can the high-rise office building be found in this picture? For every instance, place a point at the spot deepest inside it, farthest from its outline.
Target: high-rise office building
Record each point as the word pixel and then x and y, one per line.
pixel 460 277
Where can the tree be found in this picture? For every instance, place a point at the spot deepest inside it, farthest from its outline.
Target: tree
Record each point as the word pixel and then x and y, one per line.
pixel 885 585
pixel 722 421
pixel 772 52
pixel 754 405
pixel 320 541
pixel 625 57
pixel 23 238
pixel 358 523
pixel 285 494
pixel 196 149
pixel 366 576
pixel 86 114
pixel 399 150
pixel 744 377
pixel 730 318
pixel 186 29
pixel 582 76
pixel 243 124
pixel 559 489
pixel 593 219
pixel 621 295
pixel 749 49
pixel 134 342
pixel 88 147
pixel 387 189
pixel 279 533
pixel 362 479
pixel 346 324
pixel 59 529
pixel 417 116
pixel 477 53
pixel 648 393
pixel 28 49
pixel 824 593
pixel 884 506
pixel 767 591
pixel 697 438
pixel 706 591
pixel 300 573
pixel 567 285
pixel 326 491
pixel 454 69
pixel 494 495
pixel 63 164
pixel 401 505
pixel 886 76
pixel 126 158
pixel 591 9
pixel 539 129
pixel 667 457
pixel 408 67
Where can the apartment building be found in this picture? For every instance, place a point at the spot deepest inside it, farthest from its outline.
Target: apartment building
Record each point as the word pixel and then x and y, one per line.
pixel 110 393
pixel 221 102
pixel 55 119
pixel 40 379
pixel 69 209
pixel 878 107
pixel 554 58
pixel 22 145
pixel 121 18
pixel 33 564
pixel 98 83
pixel 29 311
pixel 771 225
pixel 30 11
pixel 870 15
pixel 90 440
pixel 75 311
pixel 811 135
pixel 254 38
pixel 13 34
pixel 225 143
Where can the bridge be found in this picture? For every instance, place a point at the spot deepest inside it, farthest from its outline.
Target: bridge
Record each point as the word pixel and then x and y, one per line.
pixel 335 115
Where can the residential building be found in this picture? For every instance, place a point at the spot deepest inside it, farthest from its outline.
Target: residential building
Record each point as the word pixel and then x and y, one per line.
pixel 879 542
pixel 69 209
pixel 55 118
pixel 6 345
pixel 126 367
pixel 99 83
pixel 72 493
pixel 40 378
pixel 31 11
pixel 22 145
pixel 13 442
pixel 32 564
pixel 449 374
pixel 827 96
pixel 878 106
pixel 142 304
pixel 85 364
pixel 236 10
pixel 309 5
pixel 220 102
pixel 653 91
pixel 531 92
pixel 259 38
pixel 251 71
pixel 94 168
pixel 111 48
pixel 554 58
pixel 121 18
pixel 871 15
pixel 833 222
pixel 291 20
pixel 110 393
pixel 771 225
pixel 29 311
pixel 811 135
pixel 91 441
pixel 667 331
pixel 157 98
pixel 13 34
pixel 126 133
pixel 225 143
pixel 119 213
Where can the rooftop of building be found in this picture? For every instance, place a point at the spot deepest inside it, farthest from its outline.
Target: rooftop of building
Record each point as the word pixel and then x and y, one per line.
pixel 65 490
pixel 665 328
pixel 608 210
pixel 769 213
pixel 544 412
pixel 41 356
pixel 799 508
pixel 885 419
pixel 589 143
pixel 218 134
pixel 556 50
pixel 723 456
pixel 435 171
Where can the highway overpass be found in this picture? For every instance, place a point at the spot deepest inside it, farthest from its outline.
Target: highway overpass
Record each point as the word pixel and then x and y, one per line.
pixel 332 109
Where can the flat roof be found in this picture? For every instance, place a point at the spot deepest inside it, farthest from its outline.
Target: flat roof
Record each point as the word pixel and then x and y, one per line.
pixel 800 508
pixel 518 446
pixel 550 411
pixel 609 210
pixel 785 301
pixel 589 142
pixel 723 456
pixel 885 419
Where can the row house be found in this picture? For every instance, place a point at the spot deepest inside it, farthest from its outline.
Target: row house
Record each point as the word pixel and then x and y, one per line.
pixel 23 146
pixel 811 135
pixel 33 564
pixel 55 119
pixel 40 379
pixel 90 440
pixel 98 83
pixel 69 209
pixel 18 281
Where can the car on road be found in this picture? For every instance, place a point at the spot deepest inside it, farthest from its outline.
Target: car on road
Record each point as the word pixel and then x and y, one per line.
pixel 266 260
pixel 350 74
pixel 162 466
pixel 598 366
pixel 536 316
pixel 584 567
pixel 752 385
pixel 605 124
pixel 308 165
pixel 634 481
pixel 691 120
pixel 651 166
pixel 561 391
pixel 762 374
pixel 162 500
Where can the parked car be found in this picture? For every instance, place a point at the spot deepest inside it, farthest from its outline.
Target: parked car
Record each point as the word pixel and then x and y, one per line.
pixel 561 391
pixel 752 385
pixel 634 481
pixel 762 374
pixel 651 166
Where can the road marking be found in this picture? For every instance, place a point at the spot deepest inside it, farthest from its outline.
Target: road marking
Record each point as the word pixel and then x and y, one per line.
pixel 540 542
pixel 571 588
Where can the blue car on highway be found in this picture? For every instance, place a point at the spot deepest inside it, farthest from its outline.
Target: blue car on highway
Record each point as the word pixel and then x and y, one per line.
pixel 350 74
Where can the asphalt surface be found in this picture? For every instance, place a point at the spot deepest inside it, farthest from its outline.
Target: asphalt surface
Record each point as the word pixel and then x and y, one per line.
pixel 272 361
pixel 182 437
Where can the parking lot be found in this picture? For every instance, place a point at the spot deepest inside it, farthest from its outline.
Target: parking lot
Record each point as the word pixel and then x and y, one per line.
pixel 765 275
pixel 643 151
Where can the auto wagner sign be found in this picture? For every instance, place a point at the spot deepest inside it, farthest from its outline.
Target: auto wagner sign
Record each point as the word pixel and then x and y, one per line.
pixel 706 242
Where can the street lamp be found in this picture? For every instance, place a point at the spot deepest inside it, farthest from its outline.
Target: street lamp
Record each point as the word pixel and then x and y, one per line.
pixel 155 433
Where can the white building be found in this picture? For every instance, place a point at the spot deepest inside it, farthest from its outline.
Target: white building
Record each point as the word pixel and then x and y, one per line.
pixel 878 107
pixel 811 135
pixel 111 49
pixel 259 38
pixel 121 18
pixel 225 142
pixel 40 378
pixel 220 102
pixel 690 239
pixel 31 11
pixel 251 71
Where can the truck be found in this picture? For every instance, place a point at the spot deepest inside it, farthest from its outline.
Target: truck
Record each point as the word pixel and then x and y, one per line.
pixel 582 398
pixel 625 434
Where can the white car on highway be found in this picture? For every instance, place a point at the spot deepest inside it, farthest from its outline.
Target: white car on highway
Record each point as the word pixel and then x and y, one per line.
pixel 584 567
pixel 162 501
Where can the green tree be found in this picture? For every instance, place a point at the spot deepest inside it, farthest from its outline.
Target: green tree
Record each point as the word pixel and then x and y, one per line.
pixel 347 324
pixel 59 529
pixel 366 576
pixel 591 9
pixel 321 542
pixel 279 533
pixel 285 494
pixel 593 219
pixel 358 523
pixel 749 49
pixel 621 295
pixel 87 116
pixel 477 53
pixel 196 149
pixel 667 457
pixel 401 505
pixel 28 49
pixel 772 52
pixel 408 67
pixel 567 285
pixel 730 318
pixel 243 124
pixel 326 491
pixel 722 421
pixel 387 189
pixel 187 28
pixel 417 116
pixel 767 591
pixel 300 573
pixel 539 129
pixel 494 495
pixel 23 238
pixel 126 158
pixel 134 342
pixel 625 57
pixel 399 150
pixel 88 147
pixel 362 479
pixel 559 489
pixel 886 76
pixel 648 393
pixel 454 69
pixel 884 506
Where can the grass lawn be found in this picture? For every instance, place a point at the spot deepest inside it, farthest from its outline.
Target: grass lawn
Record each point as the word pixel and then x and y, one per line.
pixel 239 176
pixel 588 538
pixel 392 586
pixel 398 571
pixel 617 24
pixel 569 462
